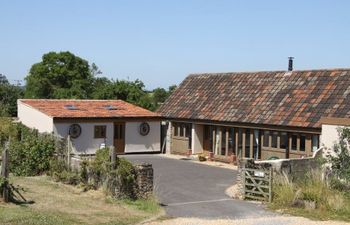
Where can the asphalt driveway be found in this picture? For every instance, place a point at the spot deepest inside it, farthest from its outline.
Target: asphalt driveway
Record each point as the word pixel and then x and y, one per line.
pixel 188 189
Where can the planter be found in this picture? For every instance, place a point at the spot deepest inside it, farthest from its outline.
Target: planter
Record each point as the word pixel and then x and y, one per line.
pixel 211 156
pixel 233 158
pixel 189 152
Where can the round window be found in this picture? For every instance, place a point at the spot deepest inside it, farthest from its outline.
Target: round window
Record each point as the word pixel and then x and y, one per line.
pixel 144 129
pixel 74 130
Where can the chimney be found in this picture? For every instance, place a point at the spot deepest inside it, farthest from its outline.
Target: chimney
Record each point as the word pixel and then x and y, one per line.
pixel 290 63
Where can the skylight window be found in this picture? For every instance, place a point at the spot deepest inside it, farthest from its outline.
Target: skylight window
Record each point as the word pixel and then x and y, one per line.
pixel 71 107
pixel 110 107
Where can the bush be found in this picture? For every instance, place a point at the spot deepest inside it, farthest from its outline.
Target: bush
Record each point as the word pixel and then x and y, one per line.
pixel 340 165
pixel 31 152
pixel 313 188
pixel 125 173
pixel 202 158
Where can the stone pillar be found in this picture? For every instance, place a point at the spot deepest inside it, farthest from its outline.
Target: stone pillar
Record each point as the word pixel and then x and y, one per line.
pixel 240 178
pixel 144 180
pixel 168 138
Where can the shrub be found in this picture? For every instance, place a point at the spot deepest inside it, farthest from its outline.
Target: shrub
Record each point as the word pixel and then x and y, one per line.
pixel 313 188
pixel 31 154
pixel 202 158
pixel 125 174
pixel 99 168
pixel 340 165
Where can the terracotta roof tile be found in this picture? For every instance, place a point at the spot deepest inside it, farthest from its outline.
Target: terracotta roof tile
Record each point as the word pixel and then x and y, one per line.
pixel 297 98
pixel 88 108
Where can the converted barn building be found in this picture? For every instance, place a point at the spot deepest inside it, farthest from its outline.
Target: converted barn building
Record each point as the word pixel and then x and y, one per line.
pixel 94 124
pixel 261 115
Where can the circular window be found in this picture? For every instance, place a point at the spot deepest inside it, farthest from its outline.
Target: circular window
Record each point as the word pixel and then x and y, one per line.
pixel 144 129
pixel 74 130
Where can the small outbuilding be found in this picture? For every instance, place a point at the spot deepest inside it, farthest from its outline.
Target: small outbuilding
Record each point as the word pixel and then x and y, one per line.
pixel 94 124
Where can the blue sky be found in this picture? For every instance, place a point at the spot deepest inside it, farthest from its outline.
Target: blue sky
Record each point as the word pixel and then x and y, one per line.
pixel 161 42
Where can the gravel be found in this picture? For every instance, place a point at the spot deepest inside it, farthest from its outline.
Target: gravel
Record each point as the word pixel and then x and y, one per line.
pixel 277 220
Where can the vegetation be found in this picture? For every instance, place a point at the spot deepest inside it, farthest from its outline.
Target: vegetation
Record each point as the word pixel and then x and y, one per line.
pixel 64 75
pixel 311 197
pixel 340 161
pixel 30 152
pixel 57 203
pixel 59 75
pixel 323 197
pixel 8 97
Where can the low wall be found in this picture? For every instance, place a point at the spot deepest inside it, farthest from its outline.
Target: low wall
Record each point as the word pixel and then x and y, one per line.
pixel 293 168
pixel 144 180
pixel 143 187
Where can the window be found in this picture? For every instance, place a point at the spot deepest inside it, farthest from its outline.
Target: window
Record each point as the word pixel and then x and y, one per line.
pixel 247 143
pixel 283 140
pixel 176 129
pixel 314 142
pixel 302 142
pixel 188 130
pixel 100 132
pixel 266 138
pixel 231 141
pixel 206 132
pixel 294 142
pixel 274 139
pixel 181 130
pixel 223 141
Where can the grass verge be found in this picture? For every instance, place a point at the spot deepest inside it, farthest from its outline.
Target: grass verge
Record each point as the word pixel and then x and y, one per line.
pixel 310 197
pixel 57 203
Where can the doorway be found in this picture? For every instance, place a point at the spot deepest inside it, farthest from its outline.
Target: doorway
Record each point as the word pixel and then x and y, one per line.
pixel 119 137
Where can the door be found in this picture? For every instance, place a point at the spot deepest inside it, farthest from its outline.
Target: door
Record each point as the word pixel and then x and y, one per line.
pixel 208 138
pixel 119 137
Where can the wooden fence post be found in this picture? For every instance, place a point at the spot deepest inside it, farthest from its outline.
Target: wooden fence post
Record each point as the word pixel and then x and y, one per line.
pixel 5 172
pixel 270 184
pixel 112 154
pixel 68 151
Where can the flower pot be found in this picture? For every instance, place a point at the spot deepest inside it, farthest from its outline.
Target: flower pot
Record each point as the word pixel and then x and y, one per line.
pixel 211 156
pixel 189 152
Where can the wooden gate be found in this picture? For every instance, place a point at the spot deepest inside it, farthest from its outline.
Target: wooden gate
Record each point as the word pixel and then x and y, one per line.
pixel 257 184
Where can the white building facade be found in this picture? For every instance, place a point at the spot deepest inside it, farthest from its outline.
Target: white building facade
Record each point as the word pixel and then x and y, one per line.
pixel 129 133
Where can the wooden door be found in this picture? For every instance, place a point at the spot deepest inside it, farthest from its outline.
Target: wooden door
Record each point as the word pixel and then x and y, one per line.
pixel 207 137
pixel 119 137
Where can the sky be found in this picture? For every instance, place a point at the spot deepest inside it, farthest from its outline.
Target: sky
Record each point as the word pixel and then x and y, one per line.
pixel 161 42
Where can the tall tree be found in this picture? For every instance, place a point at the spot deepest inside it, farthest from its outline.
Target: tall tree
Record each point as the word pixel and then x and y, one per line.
pixel 60 75
pixel 9 94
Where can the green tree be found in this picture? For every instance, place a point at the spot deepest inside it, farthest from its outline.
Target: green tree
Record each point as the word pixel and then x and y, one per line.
pixel 60 75
pixel 130 91
pixel 9 94
pixel 340 160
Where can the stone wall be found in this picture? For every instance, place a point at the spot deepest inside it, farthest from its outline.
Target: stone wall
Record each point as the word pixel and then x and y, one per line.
pixel 292 168
pixel 144 180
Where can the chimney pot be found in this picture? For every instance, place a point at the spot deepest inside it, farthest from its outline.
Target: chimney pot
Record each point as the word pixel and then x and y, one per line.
pixel 290 63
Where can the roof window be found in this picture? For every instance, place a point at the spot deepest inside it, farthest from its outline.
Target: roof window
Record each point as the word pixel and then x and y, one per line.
pixel 71 107
pixel 110 107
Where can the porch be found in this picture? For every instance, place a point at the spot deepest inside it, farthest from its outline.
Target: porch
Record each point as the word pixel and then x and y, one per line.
pixel 230 142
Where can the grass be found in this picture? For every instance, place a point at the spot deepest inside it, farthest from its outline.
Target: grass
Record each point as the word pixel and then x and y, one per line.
pixel 57 203
pixel 331 204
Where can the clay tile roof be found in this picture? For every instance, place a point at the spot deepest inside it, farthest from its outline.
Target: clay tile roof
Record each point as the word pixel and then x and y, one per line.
pixel 88 108
pixel 298 98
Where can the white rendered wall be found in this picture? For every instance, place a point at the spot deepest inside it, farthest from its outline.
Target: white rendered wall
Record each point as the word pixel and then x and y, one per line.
pixel 329 135
pixel 86 143
pixel 33 118
pixel 197 138
pixel 135 142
